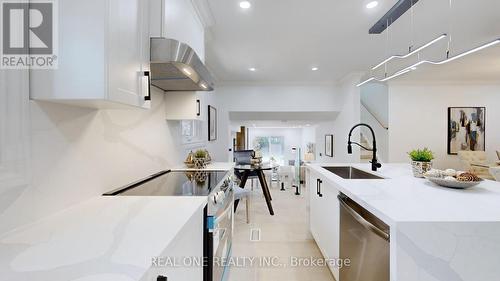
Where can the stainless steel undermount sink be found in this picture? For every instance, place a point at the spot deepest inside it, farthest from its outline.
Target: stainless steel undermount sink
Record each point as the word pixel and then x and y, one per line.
pixel 348 172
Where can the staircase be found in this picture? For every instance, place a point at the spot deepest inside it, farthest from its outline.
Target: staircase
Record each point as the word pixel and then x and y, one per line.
pixel 365 155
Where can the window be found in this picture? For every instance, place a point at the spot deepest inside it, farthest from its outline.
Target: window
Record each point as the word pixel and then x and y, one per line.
pixel 191 131
pixel 272 148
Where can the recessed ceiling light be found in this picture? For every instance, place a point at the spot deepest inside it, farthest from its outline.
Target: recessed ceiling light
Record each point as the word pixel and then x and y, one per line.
pixel 245 5
pixel 314 69
pixel 252 69
pixel 372 5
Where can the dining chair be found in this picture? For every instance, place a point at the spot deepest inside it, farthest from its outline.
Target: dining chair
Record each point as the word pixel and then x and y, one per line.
pixel 244 157
pixel 241 193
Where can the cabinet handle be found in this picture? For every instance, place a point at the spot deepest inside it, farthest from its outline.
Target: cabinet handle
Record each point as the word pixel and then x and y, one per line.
pixel 198 104
pixel 148 97
pixel 319 189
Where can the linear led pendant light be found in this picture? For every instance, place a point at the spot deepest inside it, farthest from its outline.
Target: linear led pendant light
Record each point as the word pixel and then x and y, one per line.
pixel 482 47
pixel 412 52
pixel 412 67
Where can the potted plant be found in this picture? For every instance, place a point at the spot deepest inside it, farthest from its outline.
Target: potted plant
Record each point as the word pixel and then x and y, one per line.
pixel 200 157
pixel 421 161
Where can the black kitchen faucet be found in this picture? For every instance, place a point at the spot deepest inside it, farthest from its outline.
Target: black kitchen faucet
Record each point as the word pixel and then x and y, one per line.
pixel 375 163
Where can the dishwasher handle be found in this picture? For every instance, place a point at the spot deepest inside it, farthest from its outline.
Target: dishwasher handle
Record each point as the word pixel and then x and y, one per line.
pixel 368 225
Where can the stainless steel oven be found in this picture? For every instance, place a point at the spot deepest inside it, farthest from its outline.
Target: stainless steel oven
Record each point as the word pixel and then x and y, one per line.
pixel 217 186
pixel 220 231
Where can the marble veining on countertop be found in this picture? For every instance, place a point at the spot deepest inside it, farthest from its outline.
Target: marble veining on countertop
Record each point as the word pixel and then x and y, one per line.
pixel 403 198
pixel 104 238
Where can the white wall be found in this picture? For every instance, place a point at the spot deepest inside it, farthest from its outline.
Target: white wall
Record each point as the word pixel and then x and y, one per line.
pixel 267 97
pixel 418 118
pixel 376 98
pixel 381 134
pixel 343 98
pixel 348 100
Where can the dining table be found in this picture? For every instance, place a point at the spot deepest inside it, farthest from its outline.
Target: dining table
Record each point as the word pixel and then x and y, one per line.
pixel 249 170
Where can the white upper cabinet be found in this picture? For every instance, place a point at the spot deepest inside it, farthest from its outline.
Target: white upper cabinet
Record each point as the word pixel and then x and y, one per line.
pixel 103 55
pixel 185 106
pixel 178 19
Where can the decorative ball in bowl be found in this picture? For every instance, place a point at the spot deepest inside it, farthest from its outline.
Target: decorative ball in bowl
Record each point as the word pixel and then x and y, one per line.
pixel 453 179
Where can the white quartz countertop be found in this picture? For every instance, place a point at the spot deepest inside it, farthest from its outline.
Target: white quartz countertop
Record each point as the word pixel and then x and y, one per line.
pixel 215 166
pixel 403 198
pixel 102 239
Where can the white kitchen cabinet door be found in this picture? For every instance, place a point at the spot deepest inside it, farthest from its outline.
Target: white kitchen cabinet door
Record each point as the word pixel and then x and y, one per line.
pixel 330 226
pixel 317 213
pixel 103 53
pixel 325 217
pixel 184 106
pixel 128 52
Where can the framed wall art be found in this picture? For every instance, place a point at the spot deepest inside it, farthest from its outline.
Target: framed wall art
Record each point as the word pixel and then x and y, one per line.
pixel 466 129
pixel 212 123
pixel 329 145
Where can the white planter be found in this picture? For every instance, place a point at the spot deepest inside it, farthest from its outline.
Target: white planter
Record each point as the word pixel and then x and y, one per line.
pixel 420 168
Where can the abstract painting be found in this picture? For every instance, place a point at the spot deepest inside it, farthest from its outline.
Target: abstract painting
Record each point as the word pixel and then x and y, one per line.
pixel 466 129
pixel 329 145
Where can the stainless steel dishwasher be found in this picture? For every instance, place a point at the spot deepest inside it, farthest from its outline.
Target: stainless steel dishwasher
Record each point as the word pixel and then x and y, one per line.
pixel 364 240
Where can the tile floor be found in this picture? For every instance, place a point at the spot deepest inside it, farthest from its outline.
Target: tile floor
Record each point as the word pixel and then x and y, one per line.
pixel 283 236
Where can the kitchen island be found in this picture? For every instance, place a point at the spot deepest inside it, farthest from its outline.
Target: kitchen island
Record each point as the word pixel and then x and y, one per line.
pixel 436 233
pixel 108 238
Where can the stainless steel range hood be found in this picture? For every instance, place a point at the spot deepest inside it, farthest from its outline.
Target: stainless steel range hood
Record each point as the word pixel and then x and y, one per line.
pixel 176 67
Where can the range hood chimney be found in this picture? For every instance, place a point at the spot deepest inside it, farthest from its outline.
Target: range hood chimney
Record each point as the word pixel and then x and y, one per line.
pixel 176 67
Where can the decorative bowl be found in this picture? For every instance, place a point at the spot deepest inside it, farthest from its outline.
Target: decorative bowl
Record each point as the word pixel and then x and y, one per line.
pixel 453 184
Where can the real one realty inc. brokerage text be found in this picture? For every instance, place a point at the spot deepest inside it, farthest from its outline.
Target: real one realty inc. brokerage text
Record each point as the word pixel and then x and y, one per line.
pixel 268 261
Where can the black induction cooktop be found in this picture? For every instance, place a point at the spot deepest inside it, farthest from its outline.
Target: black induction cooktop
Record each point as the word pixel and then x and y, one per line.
pixel 173 183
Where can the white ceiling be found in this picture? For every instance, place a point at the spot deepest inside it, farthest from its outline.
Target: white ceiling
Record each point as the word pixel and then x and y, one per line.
pixel 271 124
pixel 283 39
pixel 283 115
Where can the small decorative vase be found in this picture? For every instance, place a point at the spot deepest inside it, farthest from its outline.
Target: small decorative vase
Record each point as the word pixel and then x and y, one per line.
pixel 200 177
pixel 199 163
pixel 420 168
